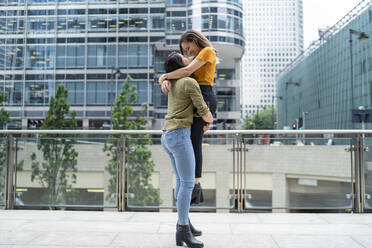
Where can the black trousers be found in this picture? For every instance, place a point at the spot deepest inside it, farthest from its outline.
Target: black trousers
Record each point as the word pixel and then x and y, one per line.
pixel 197 128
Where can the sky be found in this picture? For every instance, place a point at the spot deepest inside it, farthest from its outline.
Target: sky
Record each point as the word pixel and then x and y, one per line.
pixel 318 13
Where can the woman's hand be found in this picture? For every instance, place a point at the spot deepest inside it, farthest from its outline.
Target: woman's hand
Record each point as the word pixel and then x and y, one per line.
pixel 166 86
pixel 162 78
pixel 208 117
pixel 207 126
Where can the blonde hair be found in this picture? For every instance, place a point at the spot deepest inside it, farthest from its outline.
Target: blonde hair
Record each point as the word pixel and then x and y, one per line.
pixel 200 40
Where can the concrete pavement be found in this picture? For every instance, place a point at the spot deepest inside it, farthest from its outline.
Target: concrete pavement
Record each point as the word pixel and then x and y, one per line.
pixel 78 229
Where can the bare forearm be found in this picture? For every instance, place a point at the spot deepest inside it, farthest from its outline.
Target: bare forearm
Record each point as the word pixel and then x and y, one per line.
pixel 179 73
pixel 184 71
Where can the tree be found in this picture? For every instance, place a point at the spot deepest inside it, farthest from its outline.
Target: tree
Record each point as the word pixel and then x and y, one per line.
pixel 59 155
pixel 4 115
pixel 138 156
pixel 4 120
pixel 263 120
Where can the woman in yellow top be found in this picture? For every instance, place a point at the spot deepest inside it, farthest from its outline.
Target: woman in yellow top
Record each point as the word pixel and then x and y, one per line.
pixel 202 69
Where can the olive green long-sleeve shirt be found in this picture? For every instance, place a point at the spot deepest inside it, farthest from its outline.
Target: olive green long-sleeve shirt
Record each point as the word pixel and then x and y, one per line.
pixel 184 96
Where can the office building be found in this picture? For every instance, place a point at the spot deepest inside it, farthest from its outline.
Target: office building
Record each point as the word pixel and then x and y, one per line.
pixel 318 86
pixel 274 37
pixel 81 43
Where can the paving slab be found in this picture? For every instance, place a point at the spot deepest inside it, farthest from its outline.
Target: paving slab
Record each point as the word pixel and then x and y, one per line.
pixel 348 218
pixel 298 229
pixel 68 239
pixel 364 240
pixel 94 229
pixel 14 237
pixel 291 218
pixel 318 241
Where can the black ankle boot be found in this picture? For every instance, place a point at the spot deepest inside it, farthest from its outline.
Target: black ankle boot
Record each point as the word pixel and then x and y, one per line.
pixel 194 231
pixel 184 235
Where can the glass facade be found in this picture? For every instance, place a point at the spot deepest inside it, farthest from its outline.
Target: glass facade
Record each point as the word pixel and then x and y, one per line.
pixel 323 75
pixel 78 43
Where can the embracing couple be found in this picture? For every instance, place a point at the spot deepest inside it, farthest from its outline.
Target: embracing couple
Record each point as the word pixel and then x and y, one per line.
pixel 191 104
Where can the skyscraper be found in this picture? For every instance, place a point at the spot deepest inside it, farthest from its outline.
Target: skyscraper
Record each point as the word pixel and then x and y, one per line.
pixel 81 43
pixel 273 31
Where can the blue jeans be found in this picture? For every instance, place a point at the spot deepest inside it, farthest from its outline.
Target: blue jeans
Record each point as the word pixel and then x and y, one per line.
pixel 177 144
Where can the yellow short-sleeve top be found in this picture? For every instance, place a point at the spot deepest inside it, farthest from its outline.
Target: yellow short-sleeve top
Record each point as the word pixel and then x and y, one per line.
pixel 205 74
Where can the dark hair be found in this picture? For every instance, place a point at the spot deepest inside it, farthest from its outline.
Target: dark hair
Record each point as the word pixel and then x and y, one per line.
pixel 173 62
pixel 193 35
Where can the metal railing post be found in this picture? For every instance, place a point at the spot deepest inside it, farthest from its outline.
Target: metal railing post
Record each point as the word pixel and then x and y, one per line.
pixel 118 179
pixel 359 174
pixel 237 172
pixel 363 149
pixel 238 194
pixel 244 150
pixel 352 172
pixel 124 172
pixel 234 174
pixel 121 173
pixel 241 195
pixel 9 188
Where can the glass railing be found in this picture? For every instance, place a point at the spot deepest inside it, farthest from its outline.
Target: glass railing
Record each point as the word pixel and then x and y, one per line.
pixel 2 168
pixel 368 172
pixel 242 170
pixel 157 191
pixel 290 173
pixel 74 172
pixel 143 173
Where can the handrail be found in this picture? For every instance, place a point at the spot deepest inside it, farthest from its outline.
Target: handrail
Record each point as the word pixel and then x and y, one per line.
pixel 357 163
pixel 211 132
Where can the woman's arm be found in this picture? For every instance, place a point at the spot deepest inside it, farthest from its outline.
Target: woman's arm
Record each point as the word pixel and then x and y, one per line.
pixel 184 71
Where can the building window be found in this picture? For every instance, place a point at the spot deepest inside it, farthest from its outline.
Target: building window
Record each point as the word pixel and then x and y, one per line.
pixel 37 93
pixel 75 92
pixel 101 55
pixel 100 93
pixel 40 57
pixel 13 91
pixel 70 57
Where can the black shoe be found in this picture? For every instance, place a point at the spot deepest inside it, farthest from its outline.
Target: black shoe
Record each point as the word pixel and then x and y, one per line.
pixel 184 235
pixel 195 232
pixel 197 194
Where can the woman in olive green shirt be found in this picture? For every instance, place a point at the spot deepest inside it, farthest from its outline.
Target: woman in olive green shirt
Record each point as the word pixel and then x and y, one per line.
pixel 182 99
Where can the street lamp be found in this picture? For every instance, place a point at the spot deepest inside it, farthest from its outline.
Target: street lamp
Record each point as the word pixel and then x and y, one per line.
pixel 115 74
pixel 361 37
pixel 296 84
pixel 303 119
pixel 303 123
pixel 272 110
pixel 363 109
pixel 362 115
